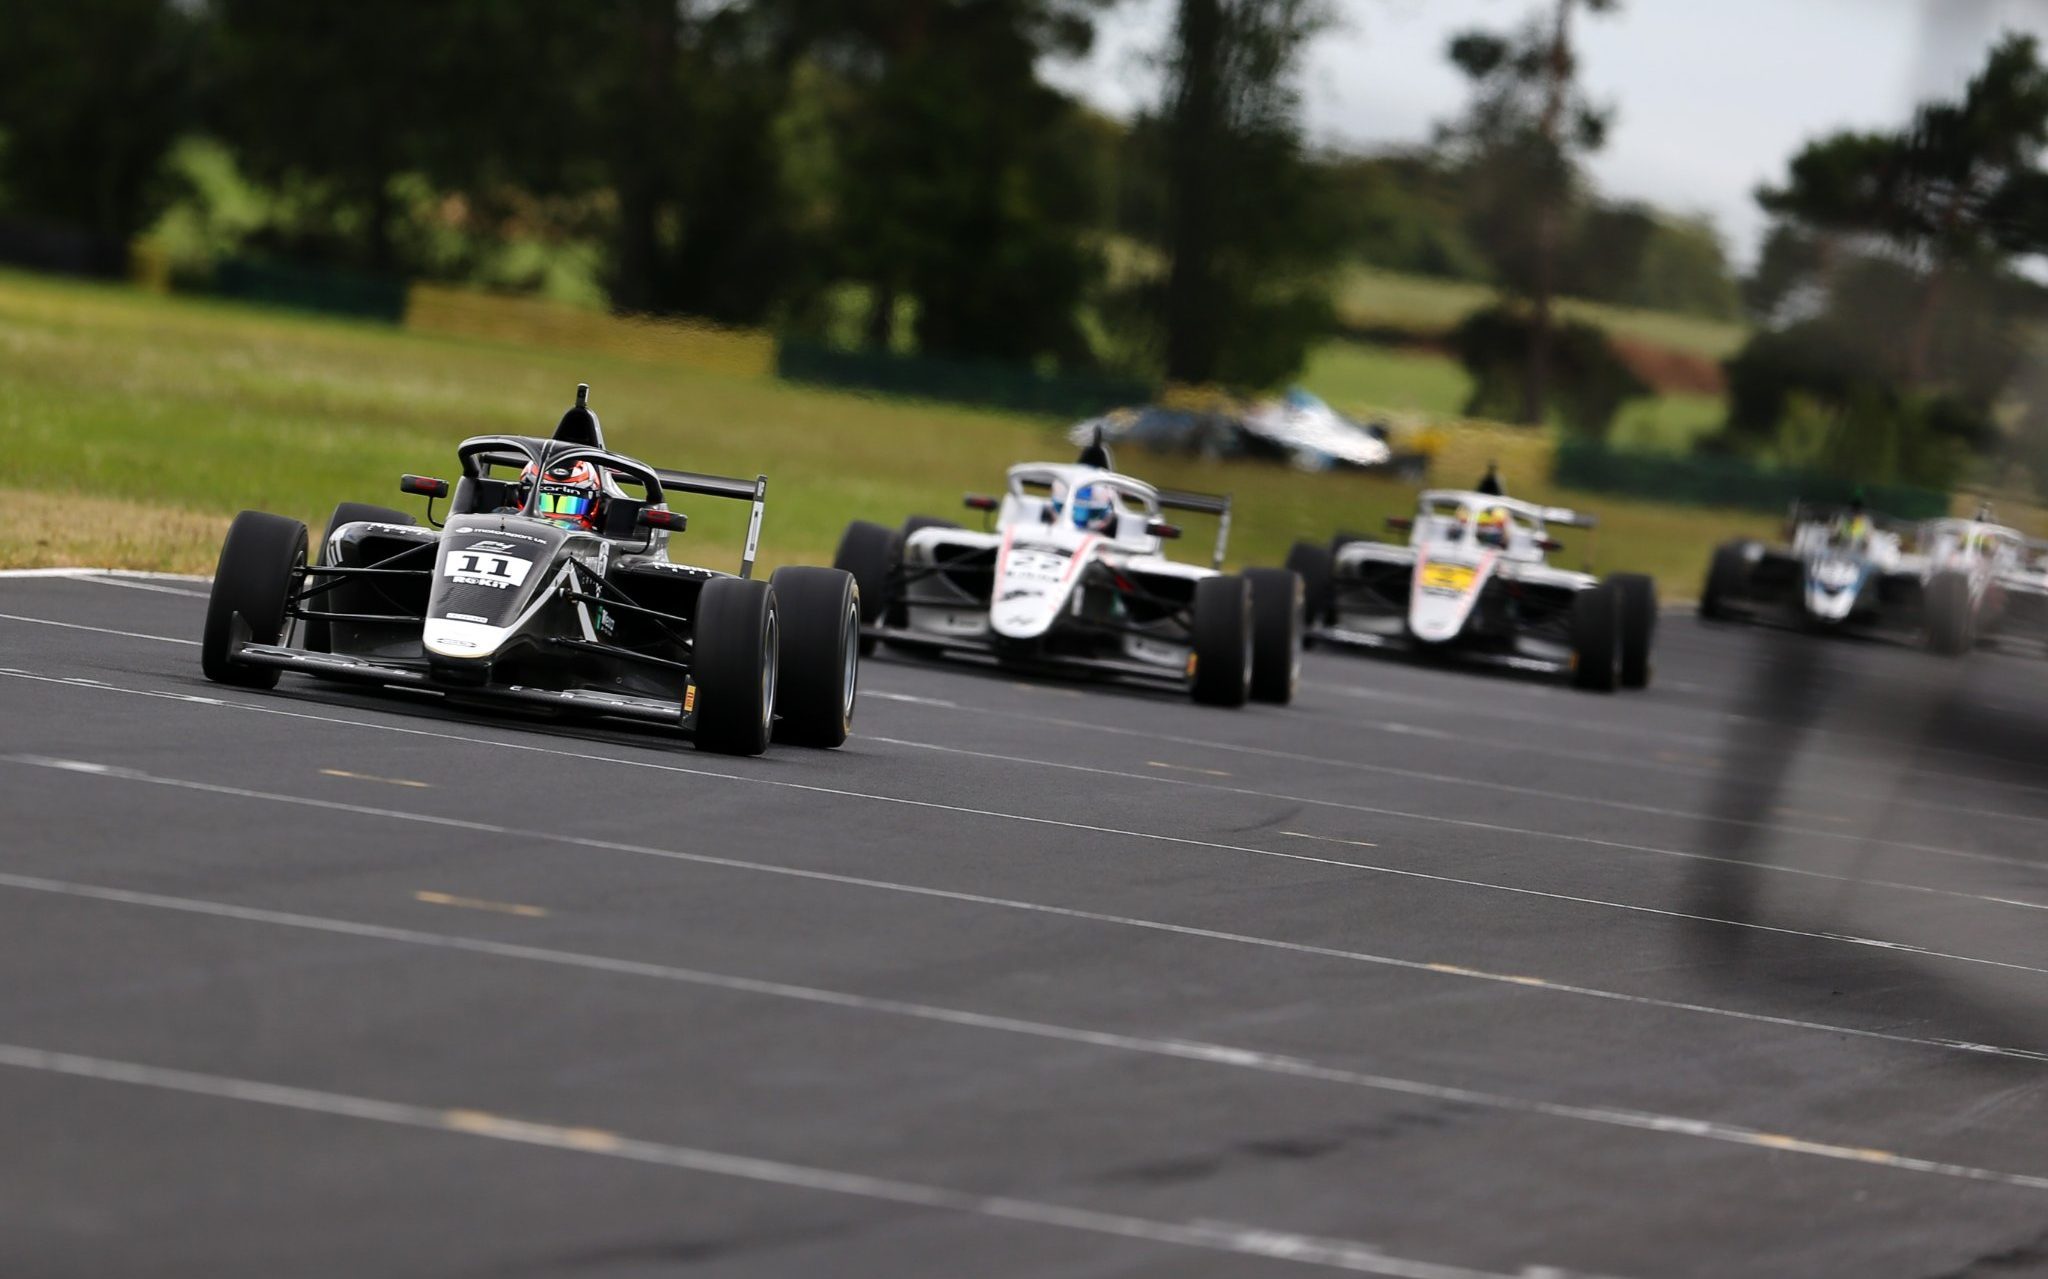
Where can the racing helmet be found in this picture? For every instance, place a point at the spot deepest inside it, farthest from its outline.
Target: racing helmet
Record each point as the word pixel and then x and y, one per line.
pixel 569 493
pixel 1093 508
pixel 1491 529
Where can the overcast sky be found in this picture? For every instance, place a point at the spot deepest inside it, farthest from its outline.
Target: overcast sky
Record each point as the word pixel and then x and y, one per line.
pixel 1713 96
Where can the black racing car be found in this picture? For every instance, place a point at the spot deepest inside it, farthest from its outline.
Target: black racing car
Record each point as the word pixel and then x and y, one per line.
pixel 499 604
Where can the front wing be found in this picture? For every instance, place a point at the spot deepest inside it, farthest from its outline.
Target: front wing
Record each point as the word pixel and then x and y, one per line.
pixel 419 676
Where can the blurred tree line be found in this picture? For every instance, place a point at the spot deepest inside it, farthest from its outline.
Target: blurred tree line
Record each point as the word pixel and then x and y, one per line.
pixel 1900 298
pixel 895 173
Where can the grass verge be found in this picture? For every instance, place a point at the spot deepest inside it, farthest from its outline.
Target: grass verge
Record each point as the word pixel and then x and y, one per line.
pixel 137 424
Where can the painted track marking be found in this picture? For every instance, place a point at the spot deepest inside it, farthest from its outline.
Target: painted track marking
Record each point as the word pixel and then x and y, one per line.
pixel 1253 1241
pixel 1855 881
pixel 1225 1055
pixel 1103 917
pixel 1423 876
pixel 365 777
pixel 478 903
pixel 1603 758
pixel 1058 824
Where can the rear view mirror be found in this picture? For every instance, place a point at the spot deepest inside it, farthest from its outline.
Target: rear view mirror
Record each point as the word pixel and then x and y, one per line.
pixel 1160 528
pixel 673 521
pixel 1549 544
pixel 980 502
pixel 1401 523
pixel 422 486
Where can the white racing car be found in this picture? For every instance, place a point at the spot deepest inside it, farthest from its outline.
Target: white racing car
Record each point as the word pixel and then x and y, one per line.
pixel 1474 582
pixel 1984 583
pixel 1841 568
pixel 1072 577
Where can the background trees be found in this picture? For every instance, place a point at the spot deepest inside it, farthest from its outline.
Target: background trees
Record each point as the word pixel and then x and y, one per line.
pixel 92 95
pixel 1517 148
pixel 1898 313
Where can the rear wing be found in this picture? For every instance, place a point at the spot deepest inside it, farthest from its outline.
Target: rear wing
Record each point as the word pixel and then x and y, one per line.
pixel 1217 505
pixel 754 490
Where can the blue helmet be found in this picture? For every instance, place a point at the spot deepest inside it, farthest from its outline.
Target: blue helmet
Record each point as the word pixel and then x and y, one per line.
pixel 1094 507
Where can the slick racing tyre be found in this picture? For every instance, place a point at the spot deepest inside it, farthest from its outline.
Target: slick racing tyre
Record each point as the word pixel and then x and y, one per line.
pixel 1596 633
pixel 1637 599
pixel 1949 631
pixel 819 665
pixel 736 646
pixel 1276 634
pixel 317 634
pixel 1727 575
pixel 1315 566
pixel 1223 641
pixel 870 552
pixel 259 564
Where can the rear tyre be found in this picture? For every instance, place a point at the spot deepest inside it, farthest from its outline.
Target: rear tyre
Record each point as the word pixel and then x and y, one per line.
pixel 316 633
pixel 1316 567
pixel 1727 575
pixel 1637 601
pixel 1596 628
pixel 1276 634
pixel 1223 641
pixel 259 563
pixel 1949 629
pixel 871 553
pixel 736 645
pixel 819 665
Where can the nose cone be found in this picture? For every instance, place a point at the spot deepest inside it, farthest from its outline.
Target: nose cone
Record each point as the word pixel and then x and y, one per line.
pixel 474 641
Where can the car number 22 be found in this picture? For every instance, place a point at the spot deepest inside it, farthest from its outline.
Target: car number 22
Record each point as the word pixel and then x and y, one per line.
pixel 486 568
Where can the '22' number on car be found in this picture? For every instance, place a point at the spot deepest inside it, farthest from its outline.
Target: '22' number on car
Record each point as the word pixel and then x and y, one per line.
pixel 473 568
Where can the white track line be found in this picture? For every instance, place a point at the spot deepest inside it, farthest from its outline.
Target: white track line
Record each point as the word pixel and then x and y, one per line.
pixel 126 584
pixel 1063 912
pixel 141 575
pixel 1411 730
pixel 1225 1055
pixel 1253 1241
pixel 1469 782
pixel 1468 823
pixel 97 630
pixel 1706 741
pixel 993 814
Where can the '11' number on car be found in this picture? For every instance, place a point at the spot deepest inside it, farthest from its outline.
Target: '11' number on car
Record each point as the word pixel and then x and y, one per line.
pixel 474 568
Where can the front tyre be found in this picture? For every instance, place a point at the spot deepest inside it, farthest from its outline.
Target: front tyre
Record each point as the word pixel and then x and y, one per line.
pixel 1223 641
pixel 870 552
pixel 260 562
pixel 1637 603
pixel 1276 634
pixel 736 643
pixel 819 666
pixel 1596 634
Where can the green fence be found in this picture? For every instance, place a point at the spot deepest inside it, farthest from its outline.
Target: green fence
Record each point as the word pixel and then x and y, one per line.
pixel 310 289
pixel 986 383
pixel 1708 481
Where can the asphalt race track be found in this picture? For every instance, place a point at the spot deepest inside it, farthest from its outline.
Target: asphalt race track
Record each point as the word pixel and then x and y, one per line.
pixel 1432 974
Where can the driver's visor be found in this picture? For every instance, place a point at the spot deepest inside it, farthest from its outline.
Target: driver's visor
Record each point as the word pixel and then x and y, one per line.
pixel 566 504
